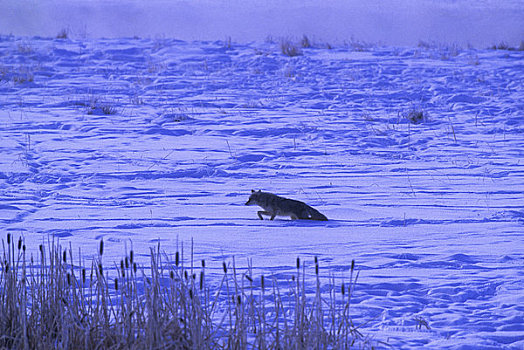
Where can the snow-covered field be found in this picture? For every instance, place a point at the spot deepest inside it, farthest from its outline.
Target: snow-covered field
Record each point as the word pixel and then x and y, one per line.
pixel 136 141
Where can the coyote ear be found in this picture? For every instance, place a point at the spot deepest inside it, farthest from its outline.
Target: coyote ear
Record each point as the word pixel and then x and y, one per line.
pixel 252 191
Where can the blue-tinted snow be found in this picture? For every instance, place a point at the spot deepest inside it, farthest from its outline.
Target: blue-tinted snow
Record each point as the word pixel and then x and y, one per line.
pixel 134 140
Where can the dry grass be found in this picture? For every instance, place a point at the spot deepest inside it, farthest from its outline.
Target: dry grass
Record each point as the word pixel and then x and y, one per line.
pixel 55 302
pixel 97 106
pixel 289 49
pixel 505 46
pixel 17 75
pixel 416 116
pixel 305 42
pixel 63 33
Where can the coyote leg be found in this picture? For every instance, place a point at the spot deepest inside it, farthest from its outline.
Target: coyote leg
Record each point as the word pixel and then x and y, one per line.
pixel 262 212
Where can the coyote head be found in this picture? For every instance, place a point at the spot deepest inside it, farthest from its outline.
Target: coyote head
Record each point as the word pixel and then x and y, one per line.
pixel 254 198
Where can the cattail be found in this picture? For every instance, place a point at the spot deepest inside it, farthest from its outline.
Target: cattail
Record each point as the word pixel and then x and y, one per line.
pixel 116 284
pixel 203 264
pixel 41 248
pixel 6 267
pixel 177 258
pixel 8 238
pixel 239 299
pixel 201 280
pixel 262 281
pixel 298 262
pixel 127 262
pixel 68 278
pixel 186 275
pixel 19 243
pixel 343 289
pixel 83 275
pixel 23 247
pixel 100 269
pixel 122 265
pixel 131 255
pixel 316 265
pixel 171 275
pixel 224 267
pixel 191 294
pixel 101 250
pixel 64 257
pixel 135 267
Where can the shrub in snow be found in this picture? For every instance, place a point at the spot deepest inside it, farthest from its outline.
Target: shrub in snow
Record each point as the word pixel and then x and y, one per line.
pixel 289 49
pixel 416 116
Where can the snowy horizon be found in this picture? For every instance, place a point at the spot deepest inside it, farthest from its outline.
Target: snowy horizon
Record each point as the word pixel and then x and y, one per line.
pixel 397 23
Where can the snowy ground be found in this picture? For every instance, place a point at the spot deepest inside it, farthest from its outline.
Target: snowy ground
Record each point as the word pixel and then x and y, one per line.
pixel 135 140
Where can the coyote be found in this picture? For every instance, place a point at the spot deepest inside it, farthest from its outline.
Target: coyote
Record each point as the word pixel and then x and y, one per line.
pixel 274 205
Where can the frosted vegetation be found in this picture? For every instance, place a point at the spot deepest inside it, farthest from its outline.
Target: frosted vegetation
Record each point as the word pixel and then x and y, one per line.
pixel 413 153
pixel 58 302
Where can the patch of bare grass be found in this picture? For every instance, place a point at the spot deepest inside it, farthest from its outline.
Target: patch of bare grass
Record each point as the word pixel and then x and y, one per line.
pixel 416 116
pixel 25 48
pixel 305 42
pixel 63 33
pixel 98 106
pixel 505 46
pixel 18 75
pixel 290 49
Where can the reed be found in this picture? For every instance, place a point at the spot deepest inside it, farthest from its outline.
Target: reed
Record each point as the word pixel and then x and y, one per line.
pixel 54 300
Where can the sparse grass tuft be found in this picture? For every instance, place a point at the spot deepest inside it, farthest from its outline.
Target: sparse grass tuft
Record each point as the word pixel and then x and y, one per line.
pixel 96 106
pixel 424 44
pixel 227 43
pixel 421 322
pixel 358 46
pixel 304 42
pixel 501 46
pixel 55 300
pixel 505 46
pixel 108 109
pixel 442 51
pixel 474 60
pixel 24 48
pixel 416 116
pixel 289 49
pixel 18 75
pixel 63 34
